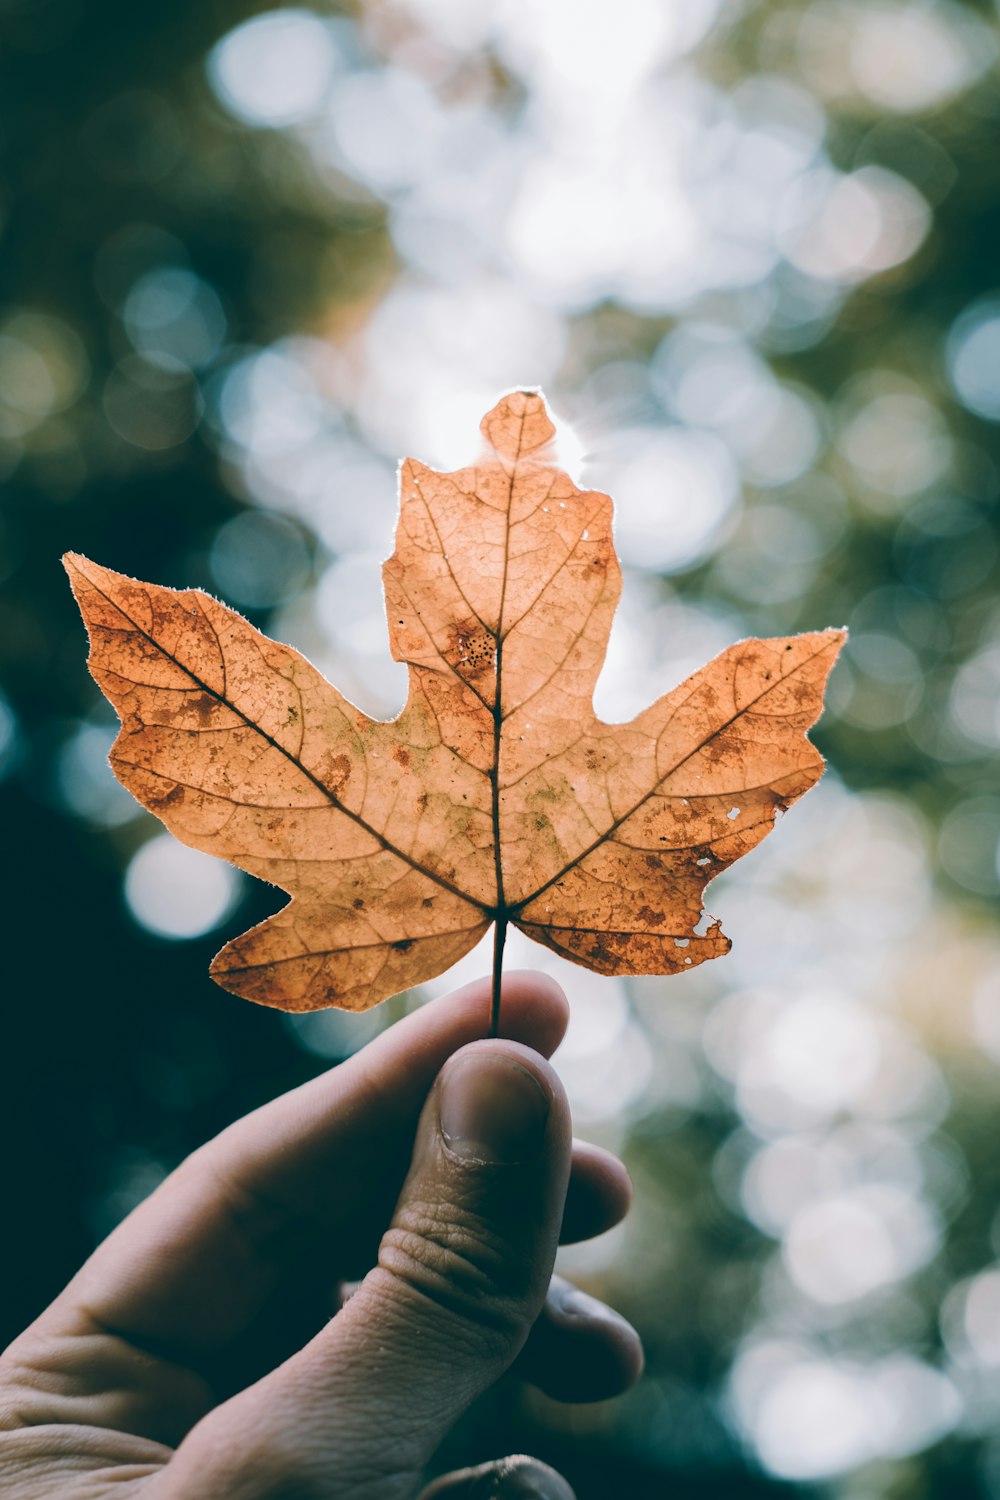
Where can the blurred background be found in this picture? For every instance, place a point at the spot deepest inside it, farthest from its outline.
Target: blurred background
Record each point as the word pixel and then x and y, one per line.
pixel 250 257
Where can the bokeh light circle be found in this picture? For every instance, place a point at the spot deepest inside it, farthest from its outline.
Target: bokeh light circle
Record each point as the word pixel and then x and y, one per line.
pixel 973 358
pixel 176 892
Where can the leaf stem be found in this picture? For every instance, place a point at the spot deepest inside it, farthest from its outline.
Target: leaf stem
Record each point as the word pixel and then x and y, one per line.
pixel 500 930
pixel 499 938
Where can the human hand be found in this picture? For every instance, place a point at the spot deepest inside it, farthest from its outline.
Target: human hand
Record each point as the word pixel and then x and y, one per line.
pixel 194 1358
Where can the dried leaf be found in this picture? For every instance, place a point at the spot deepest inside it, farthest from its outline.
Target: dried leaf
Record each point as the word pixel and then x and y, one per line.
pixel 496 794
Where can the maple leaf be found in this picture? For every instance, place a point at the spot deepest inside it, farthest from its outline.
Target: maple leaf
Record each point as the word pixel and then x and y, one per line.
pixel 496 795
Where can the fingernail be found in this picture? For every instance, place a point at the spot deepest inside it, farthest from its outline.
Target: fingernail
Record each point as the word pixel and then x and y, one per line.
pixel 517 1478
pixel 491 1109
pixel 527 1479
pixel 577 1304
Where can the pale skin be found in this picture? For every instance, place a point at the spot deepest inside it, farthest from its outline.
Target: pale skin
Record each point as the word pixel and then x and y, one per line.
pixel 194 1356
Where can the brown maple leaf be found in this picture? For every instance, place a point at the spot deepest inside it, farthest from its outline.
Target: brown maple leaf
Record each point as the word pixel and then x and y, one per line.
pixel 496 795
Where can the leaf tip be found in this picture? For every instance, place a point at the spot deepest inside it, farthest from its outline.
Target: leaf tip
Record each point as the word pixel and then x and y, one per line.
pixel 837 635
pixel 75 565
pixel 519 424
pixel 81 569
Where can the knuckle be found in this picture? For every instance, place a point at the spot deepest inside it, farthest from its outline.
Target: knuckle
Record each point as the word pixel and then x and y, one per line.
pixel 454 1260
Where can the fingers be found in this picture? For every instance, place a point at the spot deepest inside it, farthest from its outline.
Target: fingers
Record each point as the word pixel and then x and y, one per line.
pixel 579 1348
pixel 599 1195
pixel 231 1265
pixel 504 1479
pixel 462 1275
pixel 196 1261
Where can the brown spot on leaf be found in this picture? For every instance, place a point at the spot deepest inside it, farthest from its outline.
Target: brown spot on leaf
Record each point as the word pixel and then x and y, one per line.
pixel 469 648
pixel 170 800
pixel 599 954
pixel 334 771
pixel 206 707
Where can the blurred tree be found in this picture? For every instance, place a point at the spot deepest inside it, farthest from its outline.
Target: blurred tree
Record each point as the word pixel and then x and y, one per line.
pixel 117 164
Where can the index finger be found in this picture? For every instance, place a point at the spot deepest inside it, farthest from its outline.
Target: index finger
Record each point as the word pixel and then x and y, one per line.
pixel 193 1264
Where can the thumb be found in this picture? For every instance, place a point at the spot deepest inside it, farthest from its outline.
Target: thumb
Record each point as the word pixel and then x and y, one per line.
pixel 461 1276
